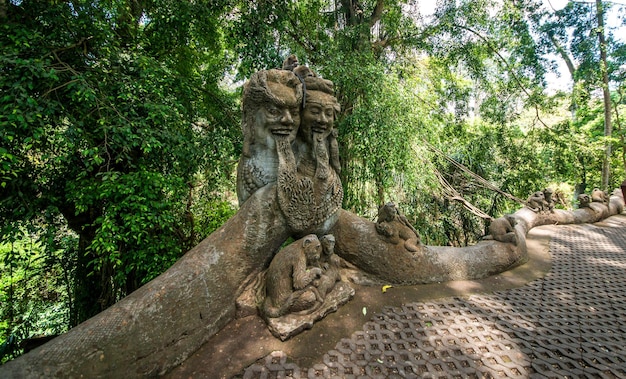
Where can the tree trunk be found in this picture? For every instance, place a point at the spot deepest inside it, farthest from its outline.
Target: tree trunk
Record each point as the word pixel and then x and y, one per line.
pixel 87 286
pixel 608 130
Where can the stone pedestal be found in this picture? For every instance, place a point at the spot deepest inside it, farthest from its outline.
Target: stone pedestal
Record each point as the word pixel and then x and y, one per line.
pixel 291 324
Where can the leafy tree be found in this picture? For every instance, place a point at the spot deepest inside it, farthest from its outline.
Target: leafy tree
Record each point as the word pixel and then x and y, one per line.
pixel 578 34
pixel 109 111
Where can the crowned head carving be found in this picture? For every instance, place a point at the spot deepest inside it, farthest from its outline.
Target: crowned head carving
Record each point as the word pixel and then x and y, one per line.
pixel 271 110
pixel 289 139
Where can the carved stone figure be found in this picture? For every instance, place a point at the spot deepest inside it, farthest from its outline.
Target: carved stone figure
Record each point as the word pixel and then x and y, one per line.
pixel 548 202
pixel 583 200
pixel 291 62
pixel 290 276
pixel 309 188
pixel 395 227
pixel 502 229
pixel 303 72
pixel 329 263
pixel 271 109
pixel 599 196
pixel 536 201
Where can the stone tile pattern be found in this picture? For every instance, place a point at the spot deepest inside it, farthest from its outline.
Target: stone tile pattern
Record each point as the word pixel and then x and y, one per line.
pixel 571 323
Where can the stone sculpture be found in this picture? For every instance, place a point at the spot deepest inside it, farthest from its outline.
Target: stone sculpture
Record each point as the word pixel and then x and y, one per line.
pixel 303 285
pixel 583 200
pixel 289 278
pixel 271 110
pixel 330 264
pixel 288 186
pixel 395 228
pixel 536 201
pixel 548 201
pixel 309 188
pixel 290 146
pixel 502 229
pixel 599 196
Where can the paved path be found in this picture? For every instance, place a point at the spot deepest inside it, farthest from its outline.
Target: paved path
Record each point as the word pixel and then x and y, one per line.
pixel 569 323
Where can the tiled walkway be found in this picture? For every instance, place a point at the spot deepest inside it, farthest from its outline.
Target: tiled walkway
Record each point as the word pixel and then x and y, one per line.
pixel 571 323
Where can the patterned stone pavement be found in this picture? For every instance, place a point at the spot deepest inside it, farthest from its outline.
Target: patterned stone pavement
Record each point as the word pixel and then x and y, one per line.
pixel 569 324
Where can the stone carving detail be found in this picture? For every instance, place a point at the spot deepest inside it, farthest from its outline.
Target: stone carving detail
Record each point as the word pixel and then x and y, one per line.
pixel 290 141
pixel 302 285
pixel 395 228
pixel 541 201
pixel 309 188
pixel 548 201
pixel 583 200
pixel 599 196
pixel 271 110
pixel 503 229
pixel 289 279
pixel 536 201
pixel 330 265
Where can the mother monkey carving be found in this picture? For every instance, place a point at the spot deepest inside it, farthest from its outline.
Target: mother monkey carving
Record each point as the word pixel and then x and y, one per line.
pixel 290 276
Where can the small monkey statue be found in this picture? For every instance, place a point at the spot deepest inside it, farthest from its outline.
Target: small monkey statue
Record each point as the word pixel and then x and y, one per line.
pixel 502 229
pixel 536 201
pixel 583 200
pixel 290 63
pixel 289 279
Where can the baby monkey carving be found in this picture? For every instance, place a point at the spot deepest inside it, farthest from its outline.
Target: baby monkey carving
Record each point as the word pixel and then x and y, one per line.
pixel 289 279
pixel 583 200
pixel 396 228
pixel 503 229
pixel 330 264
pixel 599 196
pixel 536 201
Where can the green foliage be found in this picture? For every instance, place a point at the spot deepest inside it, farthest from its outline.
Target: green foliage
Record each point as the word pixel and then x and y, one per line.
pixel 109 110
pixel 34 282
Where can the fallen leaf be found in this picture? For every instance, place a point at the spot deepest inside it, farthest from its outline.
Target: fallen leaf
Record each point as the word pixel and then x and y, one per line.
pixel 364 311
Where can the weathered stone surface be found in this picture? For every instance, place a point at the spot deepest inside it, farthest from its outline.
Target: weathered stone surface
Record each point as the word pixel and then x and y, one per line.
pixel 289 279
pixel 359 244
pixel 271 101
pixel 162 323
pixel 291 324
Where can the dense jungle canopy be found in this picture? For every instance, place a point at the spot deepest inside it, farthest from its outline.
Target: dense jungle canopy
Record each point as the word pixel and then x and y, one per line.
pixel 120 125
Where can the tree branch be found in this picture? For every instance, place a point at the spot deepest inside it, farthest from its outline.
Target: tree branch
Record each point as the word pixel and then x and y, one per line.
pixel 505 63
pixel 377 12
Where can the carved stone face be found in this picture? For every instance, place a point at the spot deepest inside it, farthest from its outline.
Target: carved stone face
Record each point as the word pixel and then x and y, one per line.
pixel 328 243
pixel 584 200
pixel 276 120
pixel 318 116
pixel 547 193
pixel 312 249
pixel 387 212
